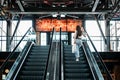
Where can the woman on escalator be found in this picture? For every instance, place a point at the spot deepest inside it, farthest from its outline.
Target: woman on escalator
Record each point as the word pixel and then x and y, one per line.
pixel 78 40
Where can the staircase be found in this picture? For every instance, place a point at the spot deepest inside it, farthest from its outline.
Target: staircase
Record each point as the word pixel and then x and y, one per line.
pixel 34 66
pixel 75 70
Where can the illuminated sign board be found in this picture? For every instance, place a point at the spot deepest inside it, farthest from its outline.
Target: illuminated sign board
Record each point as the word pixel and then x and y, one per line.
pixel 46 25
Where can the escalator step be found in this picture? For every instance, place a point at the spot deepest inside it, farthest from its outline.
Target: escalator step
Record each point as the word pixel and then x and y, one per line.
pixel 72 54
pixel 77 79
pixel 39 51
pixel 76 70
pixel 31 77
pixel 75 62
pixel 32 73
pixel 72 58
pixel 35 64
pixel 76 75
pixel 36 60
pixel 76 66
pixel 37 57
pixel 33 68
pixel 35 53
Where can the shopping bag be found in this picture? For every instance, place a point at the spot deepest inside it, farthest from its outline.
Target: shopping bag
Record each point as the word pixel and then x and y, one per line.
pixel 73 48
pixel 84 36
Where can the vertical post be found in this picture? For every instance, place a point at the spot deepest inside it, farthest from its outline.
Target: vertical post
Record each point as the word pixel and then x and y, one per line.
pixel 9 33
pixel 116 41
pixel 0 75
pixel 48 38
pixel 107 32
pixel 69 38
pixel 2 2
pixel 38 38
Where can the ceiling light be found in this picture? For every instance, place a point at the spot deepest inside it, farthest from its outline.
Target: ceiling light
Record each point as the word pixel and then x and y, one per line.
pixel 63 5
pixel 62 15
pixel 54 15
pixel 53 6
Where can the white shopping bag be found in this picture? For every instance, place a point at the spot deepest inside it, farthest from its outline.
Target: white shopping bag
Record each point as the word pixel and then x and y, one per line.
pixel 73 48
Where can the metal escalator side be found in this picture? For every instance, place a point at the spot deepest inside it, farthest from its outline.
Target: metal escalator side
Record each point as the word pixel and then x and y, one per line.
pixel 52 68
pixel 18 63
pixel 97 75
pixel 95 61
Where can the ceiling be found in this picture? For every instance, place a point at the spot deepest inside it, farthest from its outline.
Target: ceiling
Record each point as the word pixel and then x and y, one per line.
pixel 107 9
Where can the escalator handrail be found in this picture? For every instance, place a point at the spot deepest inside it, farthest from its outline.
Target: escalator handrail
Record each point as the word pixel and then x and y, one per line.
pixel 61 72
pixel 19 62
pixel 100 58
pixel 60 58
pixel 12 53
pixel 62 61
pixel 47 63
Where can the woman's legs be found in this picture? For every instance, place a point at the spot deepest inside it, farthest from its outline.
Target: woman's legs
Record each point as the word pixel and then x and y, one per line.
pixel 77 51
pixel 78 45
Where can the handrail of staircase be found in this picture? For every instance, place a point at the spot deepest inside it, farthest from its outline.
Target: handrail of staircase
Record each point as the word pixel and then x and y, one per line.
pixel 45 75
pixel 100 58
pixel 12 53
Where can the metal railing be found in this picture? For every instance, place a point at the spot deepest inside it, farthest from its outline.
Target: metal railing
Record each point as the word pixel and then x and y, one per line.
pixel 100 45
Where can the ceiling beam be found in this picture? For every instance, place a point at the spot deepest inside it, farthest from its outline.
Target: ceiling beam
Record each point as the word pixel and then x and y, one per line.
pixel 2 2
pixel 52 12
pixel 95 5
pixel 114 11
pixel 20 5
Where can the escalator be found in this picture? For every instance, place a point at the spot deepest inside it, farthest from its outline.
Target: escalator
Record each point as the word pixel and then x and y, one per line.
pixel 75 70
pixel 34 66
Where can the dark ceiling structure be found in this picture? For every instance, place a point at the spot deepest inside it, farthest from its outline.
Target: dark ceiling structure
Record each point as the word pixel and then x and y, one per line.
pixel 103 9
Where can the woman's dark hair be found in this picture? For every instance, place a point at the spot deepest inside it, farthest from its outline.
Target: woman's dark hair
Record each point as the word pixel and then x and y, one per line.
pixel 79 31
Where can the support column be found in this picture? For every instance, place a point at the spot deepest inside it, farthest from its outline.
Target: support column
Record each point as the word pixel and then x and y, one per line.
pixel 0 75
pixel 2 2
pixel 48 37
pixel 8 35
pixel 115 38
pixel 38 40
pixel 69 38
pixel 107 33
